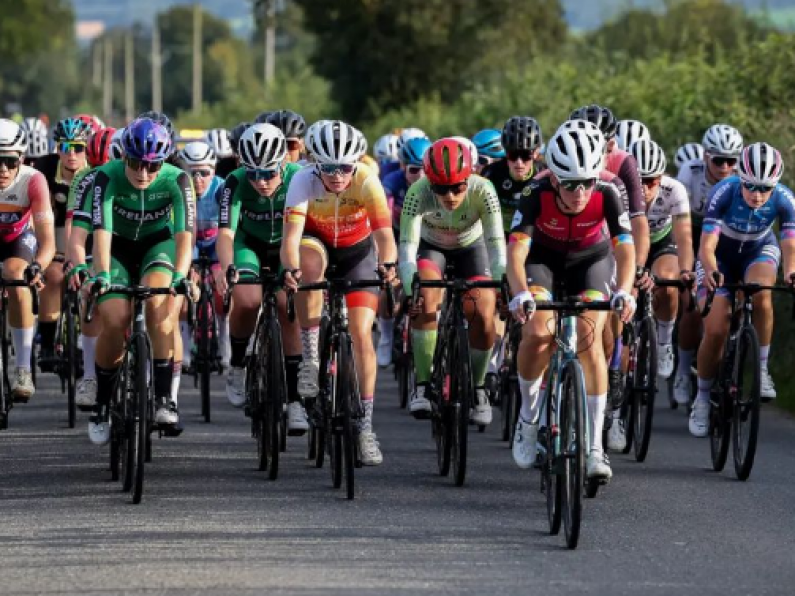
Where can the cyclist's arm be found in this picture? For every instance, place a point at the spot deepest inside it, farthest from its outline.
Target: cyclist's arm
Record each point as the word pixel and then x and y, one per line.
pixel 519 241
pixel 410 233
pixel 491 219
pixel 295 210
pixel 717 204
pixel 43 219
pixel 683 229
pixel 102 221
pixel 637 208
pixel 229 215
pixel 786 218
pixel 380 219
pixel 184 205
pixel 620 230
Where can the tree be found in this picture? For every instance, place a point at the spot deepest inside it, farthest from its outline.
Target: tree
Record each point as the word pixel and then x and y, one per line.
pixel 380 54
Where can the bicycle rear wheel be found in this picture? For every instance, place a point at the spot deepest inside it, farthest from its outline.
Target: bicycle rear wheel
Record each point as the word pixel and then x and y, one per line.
pixel 406 380
pixel 345 398
pixel 644 387
pixel 205 323
pixel 463 398
pixel 275 398
pixel 720 420
pixel 573 447
pixel 745 427
pixel 441 415
pixel 141 418
pixel 70 357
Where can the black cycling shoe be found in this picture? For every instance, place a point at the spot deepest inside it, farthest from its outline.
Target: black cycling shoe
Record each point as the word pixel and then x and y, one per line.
pixel 47 360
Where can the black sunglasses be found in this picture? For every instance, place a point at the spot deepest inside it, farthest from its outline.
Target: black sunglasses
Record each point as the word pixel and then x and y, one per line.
pixel 332 169
pixel 139 164
pixel 66 146
pixel 255 175
pixel 572 185
pixel 443 189
pixel 10 161
pixel 720 161
pixel 763 188
pixel 201 173
pixel 524 154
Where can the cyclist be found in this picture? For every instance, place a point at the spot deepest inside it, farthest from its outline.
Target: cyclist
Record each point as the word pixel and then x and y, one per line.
pixel 739 245
pixel 403 137
pixel 570 217
pixel 385 152
pixel 671 252
pixel 293 127
pixel 688 152
pixel 227 165
pixel 488 143
pixel 220 141
pixel 38 139
pixel 396 186
pixel 630 131
pixel 452 217
pixel 71 137
pixel 722 145
pixel 27 246
pixel 341 206
pixel 143 219
pixel 199 160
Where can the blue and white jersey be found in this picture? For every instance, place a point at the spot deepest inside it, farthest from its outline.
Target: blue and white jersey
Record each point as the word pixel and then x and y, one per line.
pixel 207 213
pixel 385 168
pixel 742 228
pixel 395 186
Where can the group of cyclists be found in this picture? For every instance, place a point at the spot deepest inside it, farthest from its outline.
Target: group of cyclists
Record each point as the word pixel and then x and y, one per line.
pixel 591 213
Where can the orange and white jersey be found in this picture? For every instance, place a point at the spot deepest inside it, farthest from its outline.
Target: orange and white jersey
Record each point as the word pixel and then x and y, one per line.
pixel 26 198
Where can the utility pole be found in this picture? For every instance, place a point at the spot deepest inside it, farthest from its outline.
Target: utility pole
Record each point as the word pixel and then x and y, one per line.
pixel 107 89
pixel 157 91
pixel 197 58
pixel 96 55
pixel 129 78
pixel 269 26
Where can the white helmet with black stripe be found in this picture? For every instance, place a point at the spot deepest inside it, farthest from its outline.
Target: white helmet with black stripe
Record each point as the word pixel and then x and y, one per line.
pixel 575 153
pixel 760 164
pixel 38 137
pixel 688 152
pixel 722 140
pixel 650 158
pixel 262 147
pixel 629 131
pixel 198 153
pixel 218 139
pixel 12 137
pixel 335 142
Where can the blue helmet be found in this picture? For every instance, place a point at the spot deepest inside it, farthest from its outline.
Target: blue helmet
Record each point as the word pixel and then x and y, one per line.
pixel 413 150
pixel 146 140
pixel 72 129
pixel 489 143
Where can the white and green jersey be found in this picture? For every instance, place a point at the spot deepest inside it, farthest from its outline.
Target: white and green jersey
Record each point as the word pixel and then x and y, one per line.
pixel 671 200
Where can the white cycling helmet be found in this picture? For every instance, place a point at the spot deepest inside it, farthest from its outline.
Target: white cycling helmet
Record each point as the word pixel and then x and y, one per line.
pixel 311 134
pixel 218 139
pixel 473 151
pixel 585 126
pixel 409 133
pixel 262 147
pixel 116 148
pixel 760 164
pixel 38 137
pixel 335 142
pixel 650 158
pixel 629 131
pixel 198 153
pixel 362 143
pixel 386 148
pixel 12 137
pixel 575 154
pixel 688 152
pixel 722 140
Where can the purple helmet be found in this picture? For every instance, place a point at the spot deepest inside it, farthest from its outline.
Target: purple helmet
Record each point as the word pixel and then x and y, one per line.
pixel 146 140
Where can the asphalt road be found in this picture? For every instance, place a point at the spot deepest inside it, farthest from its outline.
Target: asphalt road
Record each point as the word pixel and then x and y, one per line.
pixel 210 523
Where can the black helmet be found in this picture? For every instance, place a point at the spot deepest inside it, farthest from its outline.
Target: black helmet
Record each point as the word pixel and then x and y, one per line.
pixel 602 117
pixel 521 133
pixel 236 133
pixel 262 117
pixel 290 123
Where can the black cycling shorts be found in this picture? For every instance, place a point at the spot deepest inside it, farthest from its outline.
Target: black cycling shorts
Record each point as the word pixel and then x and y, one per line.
pixel 22 247
pixel 589 279
pixel 470 262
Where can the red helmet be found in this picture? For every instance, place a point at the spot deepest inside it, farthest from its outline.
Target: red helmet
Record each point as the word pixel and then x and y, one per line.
pixel 94 122
pixel 447 162
pixel 98 150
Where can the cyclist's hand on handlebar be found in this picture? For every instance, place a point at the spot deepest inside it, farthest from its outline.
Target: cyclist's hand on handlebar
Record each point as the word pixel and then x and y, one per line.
pixel 687 277
pixel 189 289
pixel 522 306
pixel 415 309
pixel 100 283
pixel 387 272
pixel 713 279
pixel 34 275
pixel 624 303
pixel 791 279
pixel 291 279
pixel 76 276
pixel 643 279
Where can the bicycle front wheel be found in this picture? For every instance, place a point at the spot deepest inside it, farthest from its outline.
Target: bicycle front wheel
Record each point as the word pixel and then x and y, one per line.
pixel 204 323
pixel 745 427
pixel 70 354
pixel 551 479
pixel 573 447
pixel 644 386
pixel 720 421
pixel 141 418
pixel 275 398
pixel 463 398
pixel 345 398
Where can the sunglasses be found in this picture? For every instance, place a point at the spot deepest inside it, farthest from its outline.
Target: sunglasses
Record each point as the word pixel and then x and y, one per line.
pixel 11 162
pixel 763 188
pixel 139 164
pixel 293 144
pixel 201 173
pixel 721 161
pixel 575 185
pixel 443 189
pixel 331 169
pixel 255 175
pixel 67 146
pixel 651 181
pixel 524 155
pixel 413 170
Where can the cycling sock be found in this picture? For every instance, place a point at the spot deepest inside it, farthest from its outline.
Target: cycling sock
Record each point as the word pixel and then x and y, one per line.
pixel 187 342
pixel 176 377
pixel 480 365
pixel 239 346
pixel 618 348
pixel 665 331
pixel 310 337
pixel 106 379
pixel 764 354
pixel 596 418
pixel 424 341
pixel 685 361
pixel 366 422
pixel 89 349
pixel 496 356
pixel 704 388
pixel 164 373
pixel 23 344
pixel 223 336
pixel 387 327
pixel 530 391
pixel 47 332
pixel 291 365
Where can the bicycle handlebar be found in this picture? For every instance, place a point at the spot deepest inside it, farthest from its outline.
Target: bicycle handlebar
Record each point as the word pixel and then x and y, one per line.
pixel 748 289
pixel 134 292
pixel 269 281
pixel 682 286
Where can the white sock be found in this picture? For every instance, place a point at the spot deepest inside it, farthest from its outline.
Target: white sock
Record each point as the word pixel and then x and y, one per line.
pixel 310 337
pixel 223 336
pixel 89 349
pixel 23 344
pixel 704 388
pixel 530 391
pixel 175 379
pixel 596 418
pixel 764 354
pixel 496 356
pixel 187 342
pixel 387 330
pixel 685 362
pixel 665 332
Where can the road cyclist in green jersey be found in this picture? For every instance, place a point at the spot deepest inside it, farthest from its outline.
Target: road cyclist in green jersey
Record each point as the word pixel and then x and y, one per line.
pixel 250 236
pixel 143 220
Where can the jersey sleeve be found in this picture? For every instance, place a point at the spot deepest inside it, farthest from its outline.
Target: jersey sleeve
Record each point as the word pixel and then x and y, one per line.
pixel 719 200
pixel 72 202
pixel 375 202
pixel 628 172
pixel 680 204
pixel 102 196
pixel 616 218
pixel 39 195
pixel 298 195
pixel 491 219
pixel 786 212
pixel 410 232
pixel 229 204
pixel 81 209
pixel 524 220
pixel 184 204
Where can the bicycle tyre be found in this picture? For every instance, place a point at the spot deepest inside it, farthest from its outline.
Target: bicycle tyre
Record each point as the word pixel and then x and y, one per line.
pixel 141 415
pixel 645 377
pixel 745 425
pixel 345 399
pixel 126 391
pixel 462 400
pixel 203 360
pixel 441 421
pixel 276 397
pixel 5 394
pixel 552 483
pixel 258 399
pixel 719 427
pixel 573 436
pixel 406 380
pixel 70 353
pixel 321 420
